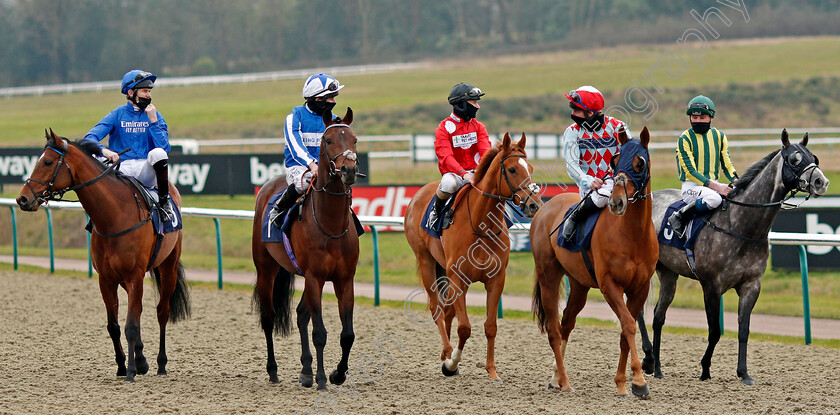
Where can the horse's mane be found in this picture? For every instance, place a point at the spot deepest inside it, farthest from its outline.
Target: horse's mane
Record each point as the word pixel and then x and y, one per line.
pixel 751 173
pixel 90 148
pixel 484 163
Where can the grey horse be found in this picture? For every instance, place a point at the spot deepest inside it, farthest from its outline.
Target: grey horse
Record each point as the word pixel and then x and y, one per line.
pixel 732 249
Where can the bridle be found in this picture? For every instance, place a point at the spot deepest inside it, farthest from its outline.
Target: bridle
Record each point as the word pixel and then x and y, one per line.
pixel 49 192
pixel 790 181
pixel 334 173
pixel 639 184
pixel 531 188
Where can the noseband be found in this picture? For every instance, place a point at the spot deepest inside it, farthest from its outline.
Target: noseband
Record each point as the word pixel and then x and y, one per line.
pixel 531 188
pixel 49 193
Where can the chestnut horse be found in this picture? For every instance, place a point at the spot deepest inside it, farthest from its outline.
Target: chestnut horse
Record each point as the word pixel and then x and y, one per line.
pixel 122 243
pixel 475 248
pixel 326 245
pixel 624 251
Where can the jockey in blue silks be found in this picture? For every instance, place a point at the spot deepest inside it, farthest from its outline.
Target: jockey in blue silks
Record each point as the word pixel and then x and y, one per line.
pixel 138 126
pixel 303 130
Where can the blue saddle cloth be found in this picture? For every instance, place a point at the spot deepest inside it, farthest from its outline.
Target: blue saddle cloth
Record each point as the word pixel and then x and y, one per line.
pixel 169 226
pixel 445 218
pixel 582 237
pixel 666 234
pixel 272 234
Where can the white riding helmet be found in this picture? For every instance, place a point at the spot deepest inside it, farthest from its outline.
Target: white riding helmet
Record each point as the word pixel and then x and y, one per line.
pixel 321 86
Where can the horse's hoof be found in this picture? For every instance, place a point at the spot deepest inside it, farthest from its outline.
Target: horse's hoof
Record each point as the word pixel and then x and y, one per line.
pixel 447 372
pixel 625 395
pixel 705 377
pixel 121 372
pixel 337 378
pixel 322 386
pixel 641 392
pixel 551 387
pixel 142 367
pixel 499 381
pixel 129 379
pixel 658 374
pixel 747 380
pixel 162 372
pixel 304 380
pixel 648 366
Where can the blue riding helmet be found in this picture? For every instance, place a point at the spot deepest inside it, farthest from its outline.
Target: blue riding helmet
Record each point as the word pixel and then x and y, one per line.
pixel 136 79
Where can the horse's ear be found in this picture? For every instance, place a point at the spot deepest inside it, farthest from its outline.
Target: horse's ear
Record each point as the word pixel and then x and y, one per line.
pixel 521 143
pixel 804 141
pixel 348 116
pixel 47 135
pixel 785 139
pixel 328 118
pixel 622 135
pixel 506 141
pixel 645 137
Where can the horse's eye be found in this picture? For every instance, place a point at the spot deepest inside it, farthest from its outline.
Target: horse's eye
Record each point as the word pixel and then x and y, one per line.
pixel 329 141
pixel 640 165
pixel 48 162
pixel 355 141
pixel 512 170
pixel 795 158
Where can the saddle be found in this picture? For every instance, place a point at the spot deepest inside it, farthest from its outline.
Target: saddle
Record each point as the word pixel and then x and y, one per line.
pixel 667 236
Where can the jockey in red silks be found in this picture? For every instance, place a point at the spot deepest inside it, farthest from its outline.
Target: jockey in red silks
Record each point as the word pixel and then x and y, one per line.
pixel 460 141
pixel 588 147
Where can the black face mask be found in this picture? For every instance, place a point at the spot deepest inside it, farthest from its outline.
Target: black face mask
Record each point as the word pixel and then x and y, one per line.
pixel 593 123
pixel 143 102
pixel 465 111
pixel 701 127
pixel 320 107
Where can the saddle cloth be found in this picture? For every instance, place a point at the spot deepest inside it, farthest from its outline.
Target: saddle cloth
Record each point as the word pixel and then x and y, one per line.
pixel 582 237
pixel 666 234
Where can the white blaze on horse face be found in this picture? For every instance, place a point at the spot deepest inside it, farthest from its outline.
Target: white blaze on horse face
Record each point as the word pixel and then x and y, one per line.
pixel 525 165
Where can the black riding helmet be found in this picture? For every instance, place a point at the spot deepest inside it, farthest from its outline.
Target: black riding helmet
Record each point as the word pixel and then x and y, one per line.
pixel 463 92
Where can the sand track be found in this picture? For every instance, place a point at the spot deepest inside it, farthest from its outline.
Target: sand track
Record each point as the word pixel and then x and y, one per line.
pixel 55 357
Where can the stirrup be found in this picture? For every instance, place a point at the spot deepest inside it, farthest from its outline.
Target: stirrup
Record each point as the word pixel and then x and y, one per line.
pixel 166 212
pixel 433 218
pixel 677 226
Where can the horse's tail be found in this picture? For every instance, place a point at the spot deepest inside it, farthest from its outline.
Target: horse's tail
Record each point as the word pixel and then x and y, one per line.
pixel 179 302
pixel 537 307
pixel 282 295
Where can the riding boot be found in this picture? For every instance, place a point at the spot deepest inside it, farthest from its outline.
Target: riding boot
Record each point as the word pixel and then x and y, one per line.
pixel 583 210
pixel 286 201
pixel 679 219
pixel 435 213
pixel 162 175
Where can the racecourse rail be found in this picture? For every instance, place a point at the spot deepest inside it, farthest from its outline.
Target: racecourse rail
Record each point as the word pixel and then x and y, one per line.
pixel 801 240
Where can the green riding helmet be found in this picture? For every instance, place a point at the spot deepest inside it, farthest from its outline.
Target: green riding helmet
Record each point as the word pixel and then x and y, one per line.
pixel 700 105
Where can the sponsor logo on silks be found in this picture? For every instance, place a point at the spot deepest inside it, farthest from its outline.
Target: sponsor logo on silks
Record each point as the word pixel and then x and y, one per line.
pixel 464 140
pixel 134 126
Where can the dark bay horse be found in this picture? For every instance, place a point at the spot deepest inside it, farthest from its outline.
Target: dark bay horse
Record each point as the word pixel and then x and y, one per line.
pixel 476 247
pixel 122 242
pixel 623 253
pixel 326 245
pixel 732 250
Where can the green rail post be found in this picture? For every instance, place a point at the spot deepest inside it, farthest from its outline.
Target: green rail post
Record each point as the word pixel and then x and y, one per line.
pixel 50 232
pixel 14 236
pixel 90 260
pixel 218 250
pixel 375 235
pixel 501 313
pixel 806 300
pixel 721 315
pixel 567 287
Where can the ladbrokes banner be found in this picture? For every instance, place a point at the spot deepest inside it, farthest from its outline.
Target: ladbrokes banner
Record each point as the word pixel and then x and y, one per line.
pixel 230 174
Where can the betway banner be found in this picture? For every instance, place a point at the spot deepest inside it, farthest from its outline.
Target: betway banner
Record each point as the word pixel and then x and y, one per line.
pixel 807 220
pixel 229 174
pixel 393 201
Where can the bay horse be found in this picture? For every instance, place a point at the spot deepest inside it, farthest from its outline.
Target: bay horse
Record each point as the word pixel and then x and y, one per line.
pixel 623 253
pixel 732 249
pixel 475 248
pixel 122 244
pixel 326 246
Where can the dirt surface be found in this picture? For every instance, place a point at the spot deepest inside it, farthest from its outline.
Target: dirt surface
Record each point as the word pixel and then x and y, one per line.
pixel 55 357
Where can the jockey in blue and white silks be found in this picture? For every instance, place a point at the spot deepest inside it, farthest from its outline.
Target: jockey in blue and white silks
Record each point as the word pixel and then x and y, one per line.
pixel 303 130
pixel 138 126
